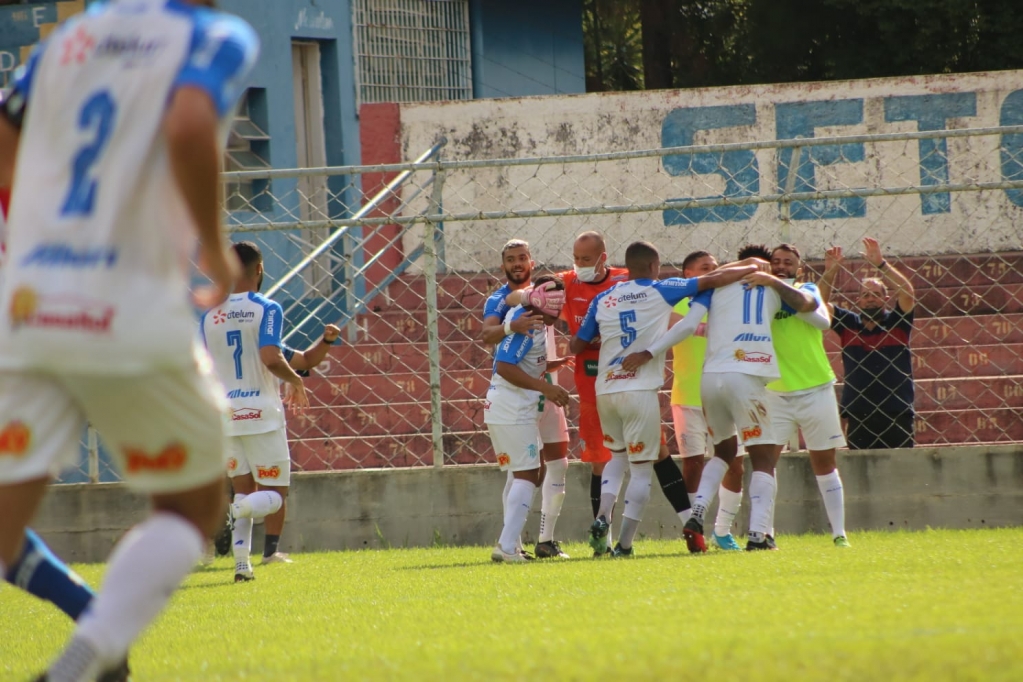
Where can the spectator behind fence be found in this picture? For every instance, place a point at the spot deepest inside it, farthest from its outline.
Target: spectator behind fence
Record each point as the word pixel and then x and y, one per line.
pixel 877 400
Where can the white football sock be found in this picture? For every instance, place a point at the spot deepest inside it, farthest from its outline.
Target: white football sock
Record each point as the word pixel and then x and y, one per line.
pixel 509 479
pixel 145 569
pixel 611 483
pixel 761 500
pixel 636 497
pixel 257 505
pixel 552 497
pixel 834 501
pixel 520 499
pixel 241 536
pixel 728 506
pixel 713 473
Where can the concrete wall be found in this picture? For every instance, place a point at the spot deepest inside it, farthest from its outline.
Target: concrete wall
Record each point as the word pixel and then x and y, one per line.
pixel 974 487
pixel 608 122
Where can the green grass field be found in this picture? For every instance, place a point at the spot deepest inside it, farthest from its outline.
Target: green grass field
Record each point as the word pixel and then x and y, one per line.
pixel 935 605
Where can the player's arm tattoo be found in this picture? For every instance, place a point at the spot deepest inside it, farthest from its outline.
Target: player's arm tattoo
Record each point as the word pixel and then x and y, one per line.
pixel 798 300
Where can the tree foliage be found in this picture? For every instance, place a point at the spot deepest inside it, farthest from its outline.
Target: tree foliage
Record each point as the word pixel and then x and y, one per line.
pixel 695 43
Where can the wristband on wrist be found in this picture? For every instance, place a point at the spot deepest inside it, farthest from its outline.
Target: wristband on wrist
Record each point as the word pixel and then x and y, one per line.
pixel 507 328
pixel 882 265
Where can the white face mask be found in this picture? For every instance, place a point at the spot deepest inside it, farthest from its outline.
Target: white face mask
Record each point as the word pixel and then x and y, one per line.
pixel 586 274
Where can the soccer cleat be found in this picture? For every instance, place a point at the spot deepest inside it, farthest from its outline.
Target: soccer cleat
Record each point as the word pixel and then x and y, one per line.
pixel 756 546
pixel 243 572
pixel 620 552
pixel 771 544
pixel 598 536
pixel 277 558
pixel 549 550
pixel 607 552
pixel 79 661
pixel 122 673
pixel 842 541
pixel 727 542
pixel 693 533
pixel 500 557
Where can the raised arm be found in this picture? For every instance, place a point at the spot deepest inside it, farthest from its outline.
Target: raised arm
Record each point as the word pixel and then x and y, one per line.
pixel 898 283
pixel 833 261
pixel 305 360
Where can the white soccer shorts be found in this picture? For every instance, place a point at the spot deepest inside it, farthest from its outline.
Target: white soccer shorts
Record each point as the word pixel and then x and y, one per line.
pixel 264 455
pixel 553 425
pixel 517 446
pixel 691 432
pixel 164 429
pixel 632 423
pixel 735 403
pixel 814 412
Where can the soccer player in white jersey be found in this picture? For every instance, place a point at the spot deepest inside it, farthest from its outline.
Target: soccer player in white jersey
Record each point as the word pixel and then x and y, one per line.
pixel 804 397
pixel 517 264
pixel 513 407
pixel 739 363
pixel 633 314
pixel 111 141
pixel 243 335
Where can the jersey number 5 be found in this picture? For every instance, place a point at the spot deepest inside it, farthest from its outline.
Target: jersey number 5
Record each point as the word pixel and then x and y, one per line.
pixel 96 116
pixel 626 319
pixel 234 338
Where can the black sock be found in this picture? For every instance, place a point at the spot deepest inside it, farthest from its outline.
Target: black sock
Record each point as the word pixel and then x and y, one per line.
pixel 595 493
pixel 270 548
pixel 672 483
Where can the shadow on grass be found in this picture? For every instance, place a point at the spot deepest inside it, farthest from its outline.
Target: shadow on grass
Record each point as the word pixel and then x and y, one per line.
pixel 555 562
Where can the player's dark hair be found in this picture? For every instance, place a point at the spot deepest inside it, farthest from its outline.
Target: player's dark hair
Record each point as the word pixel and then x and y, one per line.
pixel 791 248
pixel 514 244
pixel 559 284
pixel 755 251
pixel 692 258
pixel 639 255
pixel 249 254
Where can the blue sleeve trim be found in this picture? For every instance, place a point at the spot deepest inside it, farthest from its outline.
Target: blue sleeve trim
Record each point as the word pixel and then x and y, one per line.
pixel 495 304
pixel 271 326
pixel 220 58
pixel 703 298
pixel 589 329
pixel 674 289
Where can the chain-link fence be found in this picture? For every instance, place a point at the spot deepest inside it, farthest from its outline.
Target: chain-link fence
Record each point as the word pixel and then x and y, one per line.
pixel 406 271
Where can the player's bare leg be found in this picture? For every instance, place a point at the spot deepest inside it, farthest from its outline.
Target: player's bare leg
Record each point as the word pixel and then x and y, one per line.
pixel 554 474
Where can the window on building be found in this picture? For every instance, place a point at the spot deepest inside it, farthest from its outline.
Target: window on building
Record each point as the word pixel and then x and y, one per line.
pixel 248 148
pixel 412 50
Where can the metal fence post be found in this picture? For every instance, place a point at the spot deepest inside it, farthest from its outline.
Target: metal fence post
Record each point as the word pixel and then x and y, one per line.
pixel 430 234
pixel 92 442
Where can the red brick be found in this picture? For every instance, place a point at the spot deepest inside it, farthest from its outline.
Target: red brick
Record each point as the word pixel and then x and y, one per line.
pixel 1000 425
pixel 963 393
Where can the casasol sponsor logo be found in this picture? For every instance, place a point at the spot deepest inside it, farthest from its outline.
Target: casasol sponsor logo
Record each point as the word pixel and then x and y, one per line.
pixel 222 316
pixel 245 414
pixel 503 459
pixel 751 432
pixel 636 448
pixel 60 255
pixel 268 472
pixel 172 458
pixel 15 439
pixel 618 376
pixel 752 356
pixel 68 313
pixel 232 464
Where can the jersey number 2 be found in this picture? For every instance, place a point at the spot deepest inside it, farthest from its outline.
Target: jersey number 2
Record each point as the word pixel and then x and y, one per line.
pixel 235 339
pixel 97 116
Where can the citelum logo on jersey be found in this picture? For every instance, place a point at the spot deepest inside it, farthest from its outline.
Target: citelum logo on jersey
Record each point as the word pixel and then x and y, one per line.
pixel 15 439
pixel 610 302
pixel 222 316
pixel 268 472
pixel 632 297
pixel 503 459
pixel 246 414
pixel 58 255
pixel 751 432
pixel 172 458
pixel 70 313
pixel 636 448
pixel 752 356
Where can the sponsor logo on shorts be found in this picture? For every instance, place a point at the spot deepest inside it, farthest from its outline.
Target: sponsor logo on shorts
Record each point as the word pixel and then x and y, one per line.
pixel 242 393
pixel 752 356
pixel 608 439
pixel 751 432
pixel 68 313
pixel 172 458
pixel 60 255
pixel 232 464
pixel 245 414
pixel 268 472
pixel 636 448
pixel 531 451
pixel 222 316
pixel 760 408
pixel 15 439
pixel 503 459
